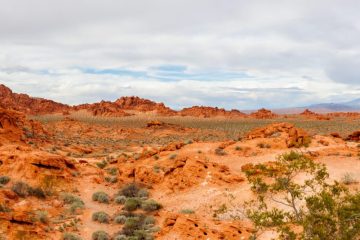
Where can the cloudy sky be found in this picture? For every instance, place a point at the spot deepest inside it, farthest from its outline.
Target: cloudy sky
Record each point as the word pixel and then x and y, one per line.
pixel 241 54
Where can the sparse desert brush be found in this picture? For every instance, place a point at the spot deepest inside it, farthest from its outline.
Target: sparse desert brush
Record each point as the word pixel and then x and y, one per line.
pixel 74 201
pixel 42 216
pixel 101 217
pixel 220 152
pixel 150 205
pixel 4 208
pixel 120 219
pixel 120 199
pixel 71 236
pixel 238 148
pixel 121 237
pixel 187 211
pixel 172 156
pixel 263 145
pixel 157 168
pixel 24 190
pixel 112 171
pixel 100 235
pixel 4 180
pixel 129 190
pixel 156 157
pixel 131 204
pixel 101 164
pixel 101 197
pixel 111 179
pixel 348 179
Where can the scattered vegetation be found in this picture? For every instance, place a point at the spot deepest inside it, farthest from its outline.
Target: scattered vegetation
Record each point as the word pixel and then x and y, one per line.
pixel 101 217
pixel 24 190
pixel 4 180
pixel 150 205
pixel 131 204
pixel 74 201
pixel 101 197
pixel 187 211
pixel 348 179
pixel 263 145
pixel 71 236
pixel 101 164
pixel 100 235
pixel 120 199
pixel 313 209
pixel 220 152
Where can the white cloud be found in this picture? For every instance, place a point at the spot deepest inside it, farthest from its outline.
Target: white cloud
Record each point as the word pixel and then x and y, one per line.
pixel 44 44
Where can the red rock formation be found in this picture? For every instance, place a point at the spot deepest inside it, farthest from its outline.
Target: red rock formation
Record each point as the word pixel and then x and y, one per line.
pixel 293 136
pixel 309 114
pixel 27 104
pixel 207 112
pixel 14 127
pixel 355 136
pixel 263 114
pixel 143 105
pixel 104 109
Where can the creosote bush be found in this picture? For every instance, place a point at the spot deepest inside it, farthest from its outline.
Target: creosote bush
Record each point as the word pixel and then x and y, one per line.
pixel 74 201
pixel 150 205
pixel 131 204
pixel 4 180
pixel 101 164
pixel 101 197
pixel 120 219
pixel 100 235
pixel 220 152
pixel 312 209
pixel 71 236
pixel 24 190
pixel 120 199
pixel 101 217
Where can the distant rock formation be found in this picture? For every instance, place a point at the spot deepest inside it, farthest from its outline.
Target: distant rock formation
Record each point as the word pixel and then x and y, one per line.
pixel 207 112
pixel 263 114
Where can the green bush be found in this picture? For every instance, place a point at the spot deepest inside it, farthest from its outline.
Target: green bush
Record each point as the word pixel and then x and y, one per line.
pixel 101 217
pixel 111 179
pixel 42 216
pixel 101 197
pixel 102 164
pixel 150 205
pixel 131 204
pixel 130 190
pixel 187 211
pixel 100 235
pixel 220 152
pixel 69 198
pixel 4 180
pixel 120 199
pixel 112 171
pixel 120 219
pixel 143 193
pixel 121 237
pixel 37 192
pixel 149 220
pixel 71 236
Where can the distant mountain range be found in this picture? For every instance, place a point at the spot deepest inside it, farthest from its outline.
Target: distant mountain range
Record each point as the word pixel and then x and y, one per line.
pixel 351 106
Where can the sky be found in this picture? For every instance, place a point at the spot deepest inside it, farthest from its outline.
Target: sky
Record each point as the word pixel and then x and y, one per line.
pixel 242 54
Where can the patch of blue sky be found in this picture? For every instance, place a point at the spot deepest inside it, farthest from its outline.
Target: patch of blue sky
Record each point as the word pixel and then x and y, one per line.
pixel 115 71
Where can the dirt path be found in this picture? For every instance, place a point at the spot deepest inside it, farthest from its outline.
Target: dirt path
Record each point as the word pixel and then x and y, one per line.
pixel 87 186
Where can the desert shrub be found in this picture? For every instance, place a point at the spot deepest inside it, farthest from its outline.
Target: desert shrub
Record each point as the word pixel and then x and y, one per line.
pixel 121 237
pixel 21 189
pixel 263 145
pixel 120 199
pixel 149 220
pixel 101 217
pixel 156 157
pixel 348 179
pixel 74 201
pixel 71 236
pixel 131 225
pixel 315 208
pixel 120 219
pixel 101 197
pixel 143 193
pixel 111 179
pixel 238 148
pixel 187 211
pixel 42 216
pixel 131 204
pixel 150 205
pixel 100 235
pixel 4 180
pixel 157 168
pixel 69 198
pixel 130 190
pixel 172 156
pixel 112 171
pixel 220 152
pixel 37 192
pixel 101 164
pixel 4 208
